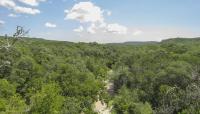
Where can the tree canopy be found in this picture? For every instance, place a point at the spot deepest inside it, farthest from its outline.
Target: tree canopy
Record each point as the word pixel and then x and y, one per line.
pixel 51 77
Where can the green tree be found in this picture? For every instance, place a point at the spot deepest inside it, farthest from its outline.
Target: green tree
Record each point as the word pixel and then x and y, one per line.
pixel 47 101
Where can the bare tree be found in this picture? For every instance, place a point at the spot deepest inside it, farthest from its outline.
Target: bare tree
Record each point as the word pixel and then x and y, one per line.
pixel 18 35
pixel 10 41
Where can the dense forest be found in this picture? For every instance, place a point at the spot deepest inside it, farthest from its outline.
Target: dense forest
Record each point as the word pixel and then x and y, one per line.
pixel 39 76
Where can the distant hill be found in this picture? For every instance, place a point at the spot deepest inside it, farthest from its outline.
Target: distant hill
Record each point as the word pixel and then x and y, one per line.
pixel 170 40
pixel 182 40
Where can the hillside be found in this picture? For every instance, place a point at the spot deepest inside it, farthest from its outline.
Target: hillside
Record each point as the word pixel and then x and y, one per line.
pixel 40 76
pixel 182 40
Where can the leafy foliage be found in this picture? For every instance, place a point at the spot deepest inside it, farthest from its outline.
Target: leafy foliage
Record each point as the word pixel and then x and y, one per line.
pixel 50 77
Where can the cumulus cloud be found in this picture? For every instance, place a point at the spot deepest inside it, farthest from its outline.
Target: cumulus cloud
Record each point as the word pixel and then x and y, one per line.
pixel 88 13
pixel 7 3
pixel 10 4
pixel 116 28
pixel 32 2
pixel 26 10
pixel 2 22
pixel 92 29
pixel 85 12
pixel 50 25
pixel 79 29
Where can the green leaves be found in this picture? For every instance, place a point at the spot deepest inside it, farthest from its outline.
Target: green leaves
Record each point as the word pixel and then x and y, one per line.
pixel 50 77
pixel 10 101
pixel 47 101
pixel 6 89
pixel 127 102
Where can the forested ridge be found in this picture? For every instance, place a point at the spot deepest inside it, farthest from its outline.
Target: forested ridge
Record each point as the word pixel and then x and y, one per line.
pixel 39 76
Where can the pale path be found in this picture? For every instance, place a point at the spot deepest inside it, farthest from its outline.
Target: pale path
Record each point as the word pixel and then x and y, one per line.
pixel 101 107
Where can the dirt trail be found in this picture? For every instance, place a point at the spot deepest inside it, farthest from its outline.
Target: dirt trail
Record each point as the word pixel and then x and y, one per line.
pixel 101 107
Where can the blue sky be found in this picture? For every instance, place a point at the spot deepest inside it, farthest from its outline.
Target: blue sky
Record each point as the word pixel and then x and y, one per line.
pixel 102 20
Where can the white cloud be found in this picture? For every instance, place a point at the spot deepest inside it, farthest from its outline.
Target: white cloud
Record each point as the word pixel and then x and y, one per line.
pixel 10 4
pixel 85 12
pixel 2 22
pixel 26 10
pixel 50 25
pixel 80 29
pixel 137 32
pixel 116 28
pixel 7 3
pixel 12 15
pixel 92 29
pixel 32 2
pixel 91 15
